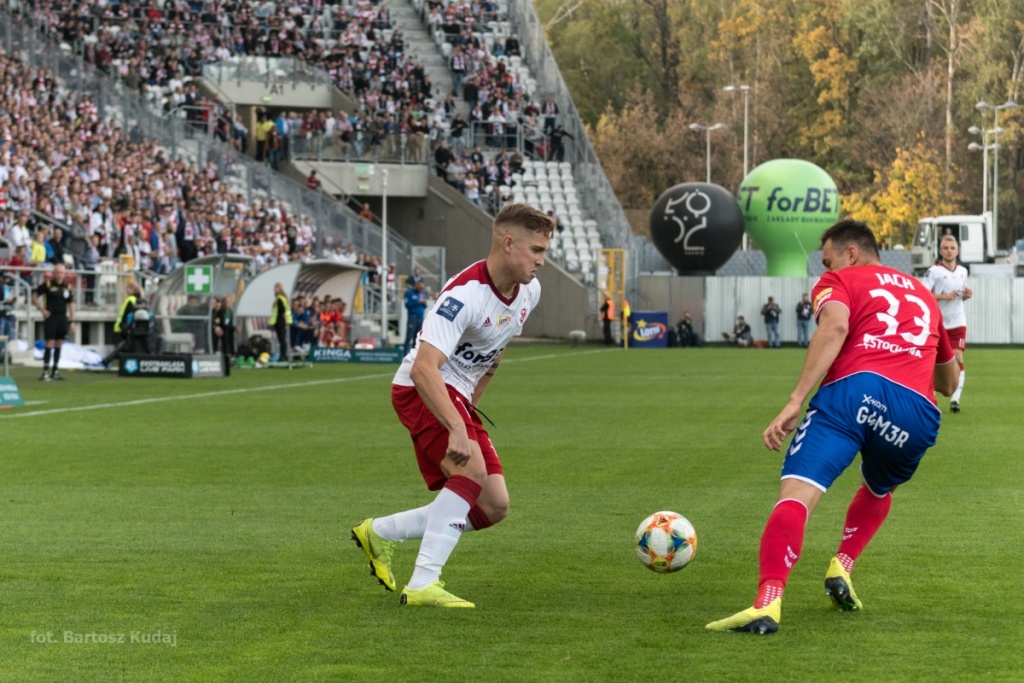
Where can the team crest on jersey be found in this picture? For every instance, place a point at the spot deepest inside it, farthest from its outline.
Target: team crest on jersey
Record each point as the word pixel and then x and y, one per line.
pixel 504 320
pixel 450 308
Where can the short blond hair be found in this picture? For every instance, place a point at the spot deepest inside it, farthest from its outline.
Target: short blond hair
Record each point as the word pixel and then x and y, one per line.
pixel 524 216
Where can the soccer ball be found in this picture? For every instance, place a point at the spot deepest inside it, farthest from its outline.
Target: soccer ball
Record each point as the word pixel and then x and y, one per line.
pixel 665 542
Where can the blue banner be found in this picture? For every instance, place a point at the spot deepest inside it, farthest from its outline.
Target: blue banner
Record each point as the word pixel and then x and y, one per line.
pixel 648 330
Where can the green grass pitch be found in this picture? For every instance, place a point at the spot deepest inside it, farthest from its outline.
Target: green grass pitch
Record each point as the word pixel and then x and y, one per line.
pixel 217 512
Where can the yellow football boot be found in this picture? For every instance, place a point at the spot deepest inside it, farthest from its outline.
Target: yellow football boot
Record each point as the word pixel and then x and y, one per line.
pixel 760 621
pixel 433 595
pixel 378 552
pixel 839 587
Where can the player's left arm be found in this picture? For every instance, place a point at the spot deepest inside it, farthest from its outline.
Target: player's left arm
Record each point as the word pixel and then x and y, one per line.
pixel 71 312
pixel 947 372
pixel 481 386
pixel 826 343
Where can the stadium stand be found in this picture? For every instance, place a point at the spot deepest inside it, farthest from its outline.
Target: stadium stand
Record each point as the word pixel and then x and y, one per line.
pixel 61 159
pixel 363 51
pixel 500 133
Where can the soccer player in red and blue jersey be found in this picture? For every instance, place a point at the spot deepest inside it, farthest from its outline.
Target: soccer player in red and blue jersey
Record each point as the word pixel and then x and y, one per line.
pixel 879 353
pixel 435 393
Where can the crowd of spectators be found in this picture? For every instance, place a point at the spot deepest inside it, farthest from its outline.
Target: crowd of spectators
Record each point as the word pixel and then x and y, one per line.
pixel 160 49
pixel 60 159
pixel 163 47
pixel 157 44
pixel 407 135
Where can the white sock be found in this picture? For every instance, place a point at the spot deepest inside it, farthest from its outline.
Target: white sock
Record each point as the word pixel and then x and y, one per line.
pixel 446 518
pixel 959 388
pixel 402 526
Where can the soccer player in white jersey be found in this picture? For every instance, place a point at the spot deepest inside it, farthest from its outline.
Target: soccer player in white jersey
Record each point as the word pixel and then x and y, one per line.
pixel 435 392
pixel 947 280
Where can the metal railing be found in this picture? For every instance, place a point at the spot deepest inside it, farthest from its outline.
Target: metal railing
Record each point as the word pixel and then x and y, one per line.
pixel 254 181
pixel 284 71
pixel 394 148
pixel 418 148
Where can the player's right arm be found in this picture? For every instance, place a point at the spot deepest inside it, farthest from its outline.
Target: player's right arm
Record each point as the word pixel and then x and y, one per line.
pixel 35 302
pixel 426 377
pixel 827 342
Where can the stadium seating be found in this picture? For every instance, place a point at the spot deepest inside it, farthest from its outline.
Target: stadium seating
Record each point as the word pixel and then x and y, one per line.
pixel 310 33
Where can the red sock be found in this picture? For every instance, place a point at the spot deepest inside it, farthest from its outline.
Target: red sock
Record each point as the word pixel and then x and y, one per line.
pixel 464 487
pixel 478 518
pixel 863 518
pixel 781 543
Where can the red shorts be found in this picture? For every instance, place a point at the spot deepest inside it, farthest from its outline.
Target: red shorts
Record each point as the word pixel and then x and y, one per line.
pixel 430 438
pixel 957 337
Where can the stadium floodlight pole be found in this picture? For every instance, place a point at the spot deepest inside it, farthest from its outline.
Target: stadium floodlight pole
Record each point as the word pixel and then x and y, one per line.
pixel 975 147
pixel 984 147
pixel 698 128
pixel 384 259
pixel 984 106
pixel 745 89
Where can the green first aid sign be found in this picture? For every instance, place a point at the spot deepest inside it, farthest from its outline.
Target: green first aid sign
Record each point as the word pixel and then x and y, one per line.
pixel 10 397
pixel 198 279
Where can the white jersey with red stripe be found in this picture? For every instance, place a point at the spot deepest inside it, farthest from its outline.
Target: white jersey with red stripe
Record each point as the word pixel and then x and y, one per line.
pixel 471 323
pixel 941 280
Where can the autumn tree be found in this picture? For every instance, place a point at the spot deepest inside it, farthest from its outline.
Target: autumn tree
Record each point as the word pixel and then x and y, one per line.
pixel 643 153
pixel 824 43
pixel 910 188
pixel 871 90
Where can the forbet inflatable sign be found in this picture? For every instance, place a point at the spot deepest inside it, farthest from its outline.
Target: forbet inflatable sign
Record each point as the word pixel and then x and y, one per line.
pixel 787 204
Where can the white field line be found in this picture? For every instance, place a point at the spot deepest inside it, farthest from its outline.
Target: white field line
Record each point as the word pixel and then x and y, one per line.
pixel 228 392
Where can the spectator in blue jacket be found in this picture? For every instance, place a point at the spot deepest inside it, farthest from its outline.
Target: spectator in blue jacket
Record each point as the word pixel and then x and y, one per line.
pixel 416 305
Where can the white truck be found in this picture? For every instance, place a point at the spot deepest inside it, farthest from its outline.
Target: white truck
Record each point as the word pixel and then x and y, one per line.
pixel 974 234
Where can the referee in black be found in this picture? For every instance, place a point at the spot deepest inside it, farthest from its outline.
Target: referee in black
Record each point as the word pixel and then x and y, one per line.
pixel 58 308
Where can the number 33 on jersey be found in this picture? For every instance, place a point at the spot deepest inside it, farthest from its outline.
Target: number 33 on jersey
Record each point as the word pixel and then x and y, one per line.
pixel 893 329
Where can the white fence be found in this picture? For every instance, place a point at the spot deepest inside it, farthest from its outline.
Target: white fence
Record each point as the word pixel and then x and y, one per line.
pixel 995 314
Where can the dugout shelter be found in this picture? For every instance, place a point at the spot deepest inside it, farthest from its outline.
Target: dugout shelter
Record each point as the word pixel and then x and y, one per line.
pixel 311 279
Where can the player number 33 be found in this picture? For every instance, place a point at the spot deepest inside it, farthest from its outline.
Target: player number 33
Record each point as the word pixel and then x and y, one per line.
pixel 923 321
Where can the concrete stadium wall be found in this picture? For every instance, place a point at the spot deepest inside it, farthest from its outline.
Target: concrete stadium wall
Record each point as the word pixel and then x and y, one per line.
pixel 995 314
pixel 675 295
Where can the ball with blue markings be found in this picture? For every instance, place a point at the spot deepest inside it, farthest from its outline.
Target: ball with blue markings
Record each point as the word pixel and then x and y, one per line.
pixel 665 542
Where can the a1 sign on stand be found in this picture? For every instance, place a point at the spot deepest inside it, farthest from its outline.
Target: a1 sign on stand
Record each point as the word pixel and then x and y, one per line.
pixel 198 279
